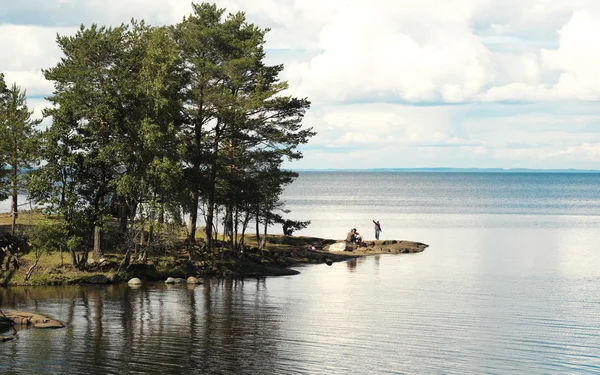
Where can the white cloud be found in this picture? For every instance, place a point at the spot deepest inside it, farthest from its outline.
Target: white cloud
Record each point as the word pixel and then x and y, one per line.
pixel 25 51
pixel 34 83
pixel 28 48
pixel 399 51
pixel 370 66
pixel 472 135
pixel 578 58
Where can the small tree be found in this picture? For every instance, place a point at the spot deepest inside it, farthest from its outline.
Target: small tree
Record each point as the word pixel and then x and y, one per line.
pixel 4 185
pixel 45 237
pixel 18 141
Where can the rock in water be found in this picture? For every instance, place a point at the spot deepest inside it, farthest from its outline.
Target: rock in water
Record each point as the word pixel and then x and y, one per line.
pixel 193 280
pixel 135 281
pixel 171 280
pixel 31 320
pixel 338 246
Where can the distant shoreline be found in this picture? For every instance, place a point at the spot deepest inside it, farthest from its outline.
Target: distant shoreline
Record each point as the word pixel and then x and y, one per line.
pixel 456 170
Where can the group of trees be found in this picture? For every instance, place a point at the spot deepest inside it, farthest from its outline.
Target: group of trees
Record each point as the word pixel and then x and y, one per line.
pixel 150 123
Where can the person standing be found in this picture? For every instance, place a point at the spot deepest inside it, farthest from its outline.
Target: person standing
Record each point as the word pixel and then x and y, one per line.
pixel 377 229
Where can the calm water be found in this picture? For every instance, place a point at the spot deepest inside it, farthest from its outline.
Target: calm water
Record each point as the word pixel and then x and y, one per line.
pixel 510 284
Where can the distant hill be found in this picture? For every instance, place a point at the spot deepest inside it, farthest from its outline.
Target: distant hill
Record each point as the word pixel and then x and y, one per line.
pixel 455 170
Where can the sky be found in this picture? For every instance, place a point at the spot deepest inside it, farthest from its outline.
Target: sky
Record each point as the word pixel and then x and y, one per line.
pixel 395 83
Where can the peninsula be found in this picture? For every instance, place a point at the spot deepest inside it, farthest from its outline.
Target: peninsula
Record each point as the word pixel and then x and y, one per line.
pixel 280 256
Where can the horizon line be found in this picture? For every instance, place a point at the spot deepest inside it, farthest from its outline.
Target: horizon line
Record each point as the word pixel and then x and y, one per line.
pixel 450 169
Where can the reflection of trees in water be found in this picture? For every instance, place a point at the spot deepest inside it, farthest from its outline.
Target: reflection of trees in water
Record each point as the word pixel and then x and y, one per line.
pixel 223 326
pixel 353 263
pixel 243 333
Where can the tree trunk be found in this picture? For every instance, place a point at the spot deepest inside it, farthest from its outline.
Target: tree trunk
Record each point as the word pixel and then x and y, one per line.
pixel 257 228
pixel 210 211
pixel 211 190
pixel 235 227
pixel 244 227
pixel 15 190
pixel 97 253
pixel 132 211
pixel 126 260
pixel 228 227
pixel 123 216
pixel 194 216
pixel 161 212
pixel 83 261
pixel 264 239
pixel 74 262
pixel 30 270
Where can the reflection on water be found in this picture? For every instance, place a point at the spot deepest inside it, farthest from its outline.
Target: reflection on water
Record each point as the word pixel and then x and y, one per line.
pixel 455 309
pixel 509 285
pixel 118 329
pixel 351 264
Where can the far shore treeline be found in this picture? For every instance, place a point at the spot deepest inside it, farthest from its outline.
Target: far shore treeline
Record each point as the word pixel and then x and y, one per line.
pixel 151 124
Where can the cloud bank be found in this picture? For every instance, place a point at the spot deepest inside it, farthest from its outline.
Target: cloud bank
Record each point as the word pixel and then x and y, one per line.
pixel 460 83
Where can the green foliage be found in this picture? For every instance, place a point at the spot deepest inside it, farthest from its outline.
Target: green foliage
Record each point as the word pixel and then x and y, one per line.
pixel 46 236
pixel 4 180
pixel 241 127
pixel 149 122
pixel 19 142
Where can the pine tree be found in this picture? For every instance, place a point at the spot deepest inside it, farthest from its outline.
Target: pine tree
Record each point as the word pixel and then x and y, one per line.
pixel 4 181
pixel 92 103
pixel 18 142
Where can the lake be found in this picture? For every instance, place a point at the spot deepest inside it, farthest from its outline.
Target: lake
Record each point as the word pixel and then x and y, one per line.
pixel 509 284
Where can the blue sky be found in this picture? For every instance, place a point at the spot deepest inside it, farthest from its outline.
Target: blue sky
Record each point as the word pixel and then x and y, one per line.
pixel 457 83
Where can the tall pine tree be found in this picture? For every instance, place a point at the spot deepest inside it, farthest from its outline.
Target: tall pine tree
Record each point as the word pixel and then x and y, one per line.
pixel 18 142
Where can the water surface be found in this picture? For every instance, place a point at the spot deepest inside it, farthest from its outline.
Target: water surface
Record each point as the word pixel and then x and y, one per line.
pixel 510 284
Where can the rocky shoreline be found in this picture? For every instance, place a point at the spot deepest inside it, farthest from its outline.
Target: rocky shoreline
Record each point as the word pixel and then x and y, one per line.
pixel 281 256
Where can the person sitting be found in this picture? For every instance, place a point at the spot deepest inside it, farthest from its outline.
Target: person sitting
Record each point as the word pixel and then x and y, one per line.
pixel 357 237
pixel 350 236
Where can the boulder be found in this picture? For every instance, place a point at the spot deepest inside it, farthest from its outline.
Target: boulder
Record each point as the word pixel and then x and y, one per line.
pixel 172 280
pixel 6 338
pixel 193 280
pixel 49 324
pixel 338 246
pixel 31 320
pixel 135 281
pixel 98 279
